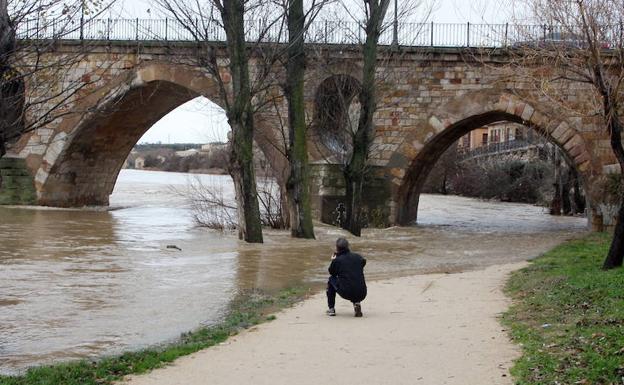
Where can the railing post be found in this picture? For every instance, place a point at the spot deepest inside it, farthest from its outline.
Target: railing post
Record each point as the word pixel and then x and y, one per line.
pixel 82 23
pixel 395 32
pixel 506 30
pixel 325 31
pixel 167 30
pixel 468 34
pixel 359 35
pixel 137 29
pixel 108 29
pixel 432 33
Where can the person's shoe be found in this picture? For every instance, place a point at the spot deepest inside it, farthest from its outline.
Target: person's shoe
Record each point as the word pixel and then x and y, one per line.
pixel 358 309
pixel 331 312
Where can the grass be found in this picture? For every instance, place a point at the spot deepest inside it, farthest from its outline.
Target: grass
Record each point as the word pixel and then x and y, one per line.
pixel 249 309
pixel 568 317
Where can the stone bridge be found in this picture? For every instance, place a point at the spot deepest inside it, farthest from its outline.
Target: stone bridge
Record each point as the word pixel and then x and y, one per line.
pixel 428 98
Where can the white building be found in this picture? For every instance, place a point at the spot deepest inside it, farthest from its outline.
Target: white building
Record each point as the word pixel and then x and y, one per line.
pixel 139 163
pixel 185 153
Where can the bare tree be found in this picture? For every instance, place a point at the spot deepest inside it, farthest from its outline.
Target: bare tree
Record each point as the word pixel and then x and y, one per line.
pixel 297 185
pixel 11 86
pixel 375 13
pixel 241 118
pixel 346 104
pixel 213 206
pixel 584 44
pixel 244 95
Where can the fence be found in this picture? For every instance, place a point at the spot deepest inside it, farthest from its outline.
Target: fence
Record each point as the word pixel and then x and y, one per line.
pixel 509 146
pixel 321 32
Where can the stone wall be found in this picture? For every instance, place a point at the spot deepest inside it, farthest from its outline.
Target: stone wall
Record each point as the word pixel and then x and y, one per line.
pixel 428 98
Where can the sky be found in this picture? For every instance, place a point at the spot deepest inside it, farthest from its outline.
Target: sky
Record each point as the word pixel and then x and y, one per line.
pixel 201 121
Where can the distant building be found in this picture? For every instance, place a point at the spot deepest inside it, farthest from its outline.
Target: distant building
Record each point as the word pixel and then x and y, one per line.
pixel 186 153
pixel 493 133
pixel 508 139
pixel 210 148
pixel 139 163
pixel 474 139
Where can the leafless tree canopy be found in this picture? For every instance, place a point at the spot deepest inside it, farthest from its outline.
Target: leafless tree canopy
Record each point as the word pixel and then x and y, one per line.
pixel 582 43
pixel 27 101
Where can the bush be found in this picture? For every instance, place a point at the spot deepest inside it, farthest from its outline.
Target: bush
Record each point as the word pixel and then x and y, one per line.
pixel 509 180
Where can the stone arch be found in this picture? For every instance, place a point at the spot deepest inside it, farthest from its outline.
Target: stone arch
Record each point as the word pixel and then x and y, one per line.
pixel 81 166
pixel 421 149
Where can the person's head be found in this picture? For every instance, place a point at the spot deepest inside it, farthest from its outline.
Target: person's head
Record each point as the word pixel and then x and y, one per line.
pixel 342 245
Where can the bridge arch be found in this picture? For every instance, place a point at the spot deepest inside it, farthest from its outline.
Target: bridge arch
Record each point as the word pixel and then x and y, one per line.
pixel 422 149
pixel 83 168
pixel 109 123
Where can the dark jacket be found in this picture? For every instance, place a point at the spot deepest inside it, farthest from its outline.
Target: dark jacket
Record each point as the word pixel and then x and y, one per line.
pixel 348 267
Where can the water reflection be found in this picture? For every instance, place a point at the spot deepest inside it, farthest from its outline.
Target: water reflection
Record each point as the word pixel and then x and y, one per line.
pixel 86 283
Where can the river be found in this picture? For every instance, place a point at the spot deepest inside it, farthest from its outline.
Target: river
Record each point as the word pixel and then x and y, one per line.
pixel 86 283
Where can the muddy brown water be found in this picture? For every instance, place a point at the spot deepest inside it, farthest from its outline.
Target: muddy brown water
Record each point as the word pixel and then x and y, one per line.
pixel 87 283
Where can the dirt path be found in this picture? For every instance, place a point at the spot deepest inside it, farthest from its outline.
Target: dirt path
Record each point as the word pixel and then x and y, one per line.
pixel 427 329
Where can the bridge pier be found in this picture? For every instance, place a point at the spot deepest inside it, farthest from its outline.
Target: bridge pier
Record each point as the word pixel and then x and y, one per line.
pixel 328 195
pixel 17 185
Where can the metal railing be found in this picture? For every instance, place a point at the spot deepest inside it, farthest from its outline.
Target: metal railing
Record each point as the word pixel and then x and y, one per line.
pixel 320 32
pixel 500 148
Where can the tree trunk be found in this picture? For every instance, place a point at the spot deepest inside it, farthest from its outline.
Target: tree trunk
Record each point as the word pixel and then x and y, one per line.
pixel 616 251
pixel 353 220
pixel 8 89
pixel 297 185
pixel 240 118
pixel 354 181
pixel 355 170
pixel 243 174
pixel 615 257
pixel 11 85
pixel 579 201
pixel 566 205
pixel 284 208
pixel 555 204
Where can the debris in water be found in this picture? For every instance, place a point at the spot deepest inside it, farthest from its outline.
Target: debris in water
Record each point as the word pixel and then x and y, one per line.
pixel 174 247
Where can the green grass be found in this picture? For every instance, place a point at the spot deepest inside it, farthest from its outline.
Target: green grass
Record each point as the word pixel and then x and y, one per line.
pixel 249 309
pixel 568 316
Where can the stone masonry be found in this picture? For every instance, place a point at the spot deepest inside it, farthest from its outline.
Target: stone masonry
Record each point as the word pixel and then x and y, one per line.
pixel 428 98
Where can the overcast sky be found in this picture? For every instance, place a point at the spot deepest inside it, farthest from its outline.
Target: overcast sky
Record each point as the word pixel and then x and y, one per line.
pixel 200 121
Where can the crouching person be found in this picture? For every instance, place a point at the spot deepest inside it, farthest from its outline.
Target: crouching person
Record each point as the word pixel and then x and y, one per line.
pixel 346 278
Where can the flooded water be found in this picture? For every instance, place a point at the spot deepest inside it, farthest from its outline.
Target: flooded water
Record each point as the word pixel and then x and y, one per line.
pixel 77 283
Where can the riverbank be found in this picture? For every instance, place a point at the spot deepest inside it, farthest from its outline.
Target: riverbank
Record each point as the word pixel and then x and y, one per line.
pixel 566 322
pixel 429 329
pixel 568 316
pixel 249 309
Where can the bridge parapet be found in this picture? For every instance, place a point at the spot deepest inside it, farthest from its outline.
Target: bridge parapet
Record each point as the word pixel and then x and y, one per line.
pixel 332 32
